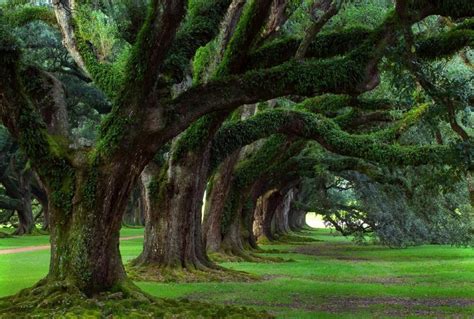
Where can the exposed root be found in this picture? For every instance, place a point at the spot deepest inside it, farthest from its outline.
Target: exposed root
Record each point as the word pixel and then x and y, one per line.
pixel 158 273
pixel 63 300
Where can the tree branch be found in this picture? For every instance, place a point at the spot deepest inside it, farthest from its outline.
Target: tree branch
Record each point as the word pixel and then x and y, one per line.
pixel 330 136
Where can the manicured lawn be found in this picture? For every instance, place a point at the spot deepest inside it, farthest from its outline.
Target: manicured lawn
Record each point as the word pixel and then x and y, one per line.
pixel 38 240
pixel 329 278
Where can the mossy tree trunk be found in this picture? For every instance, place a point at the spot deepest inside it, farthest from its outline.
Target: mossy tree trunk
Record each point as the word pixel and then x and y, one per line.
pixel 135 213
pixel 238 238
pixel 269 215
pixel 26 223
pixel 173 236
pixel 297 220
pixel 85 228
pixel 217 193
pixel 282 214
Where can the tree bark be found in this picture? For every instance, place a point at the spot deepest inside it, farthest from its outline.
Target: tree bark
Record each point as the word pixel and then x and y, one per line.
pixel 17 186
pixel 297 220
pixel 282 214
pixel 134 215
pixel 237 235
pixel 85 241
pixel 265 213
pixel 215 201
pixel 173 235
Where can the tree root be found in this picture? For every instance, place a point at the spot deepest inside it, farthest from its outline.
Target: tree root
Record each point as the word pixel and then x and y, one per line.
pixel 160 273
pixel 64 300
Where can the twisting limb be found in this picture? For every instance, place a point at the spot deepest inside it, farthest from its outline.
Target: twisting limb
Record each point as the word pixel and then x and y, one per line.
pixel 329 135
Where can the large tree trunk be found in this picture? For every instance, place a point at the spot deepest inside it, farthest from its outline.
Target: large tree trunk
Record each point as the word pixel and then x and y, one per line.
pixel 215 201
pixel 218 192
pixel 173 236
pixel 134 215
pixel 38 191
pixel 85 230
pixel 282 212
pixel 26 222
pixel 237 235
pixel 264 212
pixel 297 219
pixel 17 186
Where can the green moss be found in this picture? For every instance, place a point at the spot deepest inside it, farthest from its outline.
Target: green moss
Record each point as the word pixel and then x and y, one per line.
pixel 111 133
pixel 249 25
pixel 201 25
pixel 324 46
pixel 201 61
pixel 158 185
pixel 89 189
pixel 326 131
pixel 107 77
pixel 49 157
pixel 309 77
pixel 158 273
pixel 62 300
pixel 194 137
pixel 445 44
pixel 23 15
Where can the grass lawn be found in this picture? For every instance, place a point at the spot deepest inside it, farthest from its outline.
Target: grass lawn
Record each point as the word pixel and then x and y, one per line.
pixel 329 278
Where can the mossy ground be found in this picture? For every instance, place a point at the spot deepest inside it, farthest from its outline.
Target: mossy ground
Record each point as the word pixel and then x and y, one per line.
pixel 60 300
pixel 182 275
pixel 329 278
pixel 256 256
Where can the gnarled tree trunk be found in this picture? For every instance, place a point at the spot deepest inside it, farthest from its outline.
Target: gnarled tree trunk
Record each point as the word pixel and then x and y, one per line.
pixel 215 201
pixel 282 214
pixel 173 236
pixel 85 230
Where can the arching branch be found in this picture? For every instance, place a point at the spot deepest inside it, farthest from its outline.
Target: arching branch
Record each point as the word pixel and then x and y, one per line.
pixel 329 135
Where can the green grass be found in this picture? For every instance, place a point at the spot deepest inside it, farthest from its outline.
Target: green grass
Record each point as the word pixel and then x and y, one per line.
pixel 38 240
pixel 332 278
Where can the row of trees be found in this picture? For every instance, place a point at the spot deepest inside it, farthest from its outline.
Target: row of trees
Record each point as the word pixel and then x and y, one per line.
pixel 263 108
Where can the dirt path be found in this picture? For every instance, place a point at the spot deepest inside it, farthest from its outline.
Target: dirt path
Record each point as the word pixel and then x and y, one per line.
pixel 45 247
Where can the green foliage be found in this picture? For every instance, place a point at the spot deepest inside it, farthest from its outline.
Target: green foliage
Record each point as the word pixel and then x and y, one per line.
pixel 98 29
pixel 364 13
